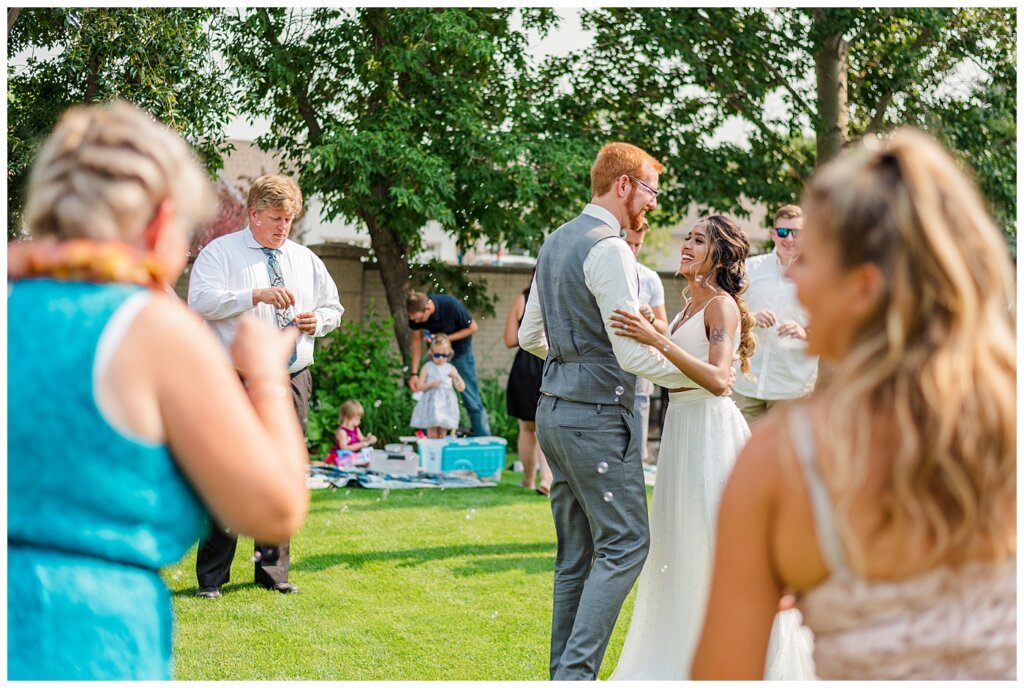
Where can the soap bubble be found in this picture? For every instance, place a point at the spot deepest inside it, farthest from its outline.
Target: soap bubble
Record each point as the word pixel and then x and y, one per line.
pixel 256 556
pixel 602 467
pixel 366 362
pixel 471 514
pixel 619 391
pixel 377 403
pixel 494 615
pixel 344 507
pixel 664 569
pixel 385 493
pixel 608 496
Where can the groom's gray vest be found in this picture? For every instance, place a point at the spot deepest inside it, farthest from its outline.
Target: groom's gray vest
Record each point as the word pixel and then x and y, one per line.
pixel 580 365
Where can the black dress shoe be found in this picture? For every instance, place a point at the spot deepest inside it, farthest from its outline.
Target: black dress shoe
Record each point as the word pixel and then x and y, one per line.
pixel 285 588
pixel 210 592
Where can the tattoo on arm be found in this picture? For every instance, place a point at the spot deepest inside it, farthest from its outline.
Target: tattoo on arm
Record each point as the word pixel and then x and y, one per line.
pixel 717 335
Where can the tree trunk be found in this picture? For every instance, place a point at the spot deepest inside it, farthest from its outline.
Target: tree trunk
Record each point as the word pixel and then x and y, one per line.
pixel 92 81
pixel 831 70
pixel 393 262
pixel 12 16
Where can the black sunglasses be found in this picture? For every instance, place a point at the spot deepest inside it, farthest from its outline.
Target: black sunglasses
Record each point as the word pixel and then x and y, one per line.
pixel 783 232
pixel 441 355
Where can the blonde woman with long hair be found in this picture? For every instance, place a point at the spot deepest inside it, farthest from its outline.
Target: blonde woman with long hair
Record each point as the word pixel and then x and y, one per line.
pixel 127 420
pixel 887 502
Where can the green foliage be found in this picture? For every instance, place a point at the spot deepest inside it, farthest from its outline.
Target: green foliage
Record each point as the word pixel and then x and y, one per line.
pixel 398 117
pixel 444 278
pixel 492 393
pixel 356 361
pixel 670 79
pixel 160 59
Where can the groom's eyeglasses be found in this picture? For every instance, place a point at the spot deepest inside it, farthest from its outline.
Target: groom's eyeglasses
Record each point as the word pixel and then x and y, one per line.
pixel 654 192
pixel 783 232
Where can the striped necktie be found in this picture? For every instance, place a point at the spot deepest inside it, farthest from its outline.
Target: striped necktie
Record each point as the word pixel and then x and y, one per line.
pixel 285 316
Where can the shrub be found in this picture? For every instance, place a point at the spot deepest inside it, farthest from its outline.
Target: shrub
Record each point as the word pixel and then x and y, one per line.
pixel 356 361
pixel 493 396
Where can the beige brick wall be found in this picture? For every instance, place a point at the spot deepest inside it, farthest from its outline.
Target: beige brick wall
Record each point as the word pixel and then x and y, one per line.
pixel 360 289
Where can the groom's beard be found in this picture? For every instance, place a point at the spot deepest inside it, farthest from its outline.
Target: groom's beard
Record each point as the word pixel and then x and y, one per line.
pixel 636 217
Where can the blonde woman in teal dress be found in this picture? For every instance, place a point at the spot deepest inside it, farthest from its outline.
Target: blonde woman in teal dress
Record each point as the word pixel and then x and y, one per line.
pixel 126 419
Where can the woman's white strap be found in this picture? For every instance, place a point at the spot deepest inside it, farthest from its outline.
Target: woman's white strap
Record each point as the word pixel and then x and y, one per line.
pixel 824 512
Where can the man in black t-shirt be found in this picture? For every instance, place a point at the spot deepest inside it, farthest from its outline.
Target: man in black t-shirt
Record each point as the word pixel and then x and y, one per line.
pixel 440 313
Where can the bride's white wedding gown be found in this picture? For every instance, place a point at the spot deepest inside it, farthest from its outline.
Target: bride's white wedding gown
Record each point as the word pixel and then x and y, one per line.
pixel 702 436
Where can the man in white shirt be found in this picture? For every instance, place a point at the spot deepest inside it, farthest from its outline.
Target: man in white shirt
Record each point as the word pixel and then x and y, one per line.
pixel 258 269
pixel 780 368
pixel 585 415
pixel 652 307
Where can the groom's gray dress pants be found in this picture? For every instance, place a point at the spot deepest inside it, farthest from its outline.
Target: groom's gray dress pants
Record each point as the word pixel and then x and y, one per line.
pixel 599 505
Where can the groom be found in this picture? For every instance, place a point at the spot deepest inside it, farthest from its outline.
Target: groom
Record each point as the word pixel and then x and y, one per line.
pixel 585 270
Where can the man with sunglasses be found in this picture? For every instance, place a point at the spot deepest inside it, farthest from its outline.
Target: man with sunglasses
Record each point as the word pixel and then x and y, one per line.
pixel 779 368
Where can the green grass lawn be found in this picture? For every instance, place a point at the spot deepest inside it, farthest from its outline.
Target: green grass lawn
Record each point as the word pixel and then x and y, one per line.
pixel 422 584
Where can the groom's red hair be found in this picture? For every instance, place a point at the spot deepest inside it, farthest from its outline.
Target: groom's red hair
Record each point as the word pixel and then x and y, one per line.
pixel 615 160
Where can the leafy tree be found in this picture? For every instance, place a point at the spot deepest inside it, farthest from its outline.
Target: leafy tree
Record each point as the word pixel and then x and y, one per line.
pixel 159 59
pixel 395 117
pixel 669 79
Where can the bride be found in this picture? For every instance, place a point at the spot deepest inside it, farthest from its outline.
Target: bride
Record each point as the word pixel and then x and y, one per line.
pixel 703 434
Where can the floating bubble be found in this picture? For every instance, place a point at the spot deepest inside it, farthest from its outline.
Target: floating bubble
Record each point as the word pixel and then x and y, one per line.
pixel 494 615
pixel 366 361
pixel 344 507
pixel 602 467
pixel 608 496
pixel 377 403
pixel 664 568
pixel 471 514
pixel 405 369
pixel 385 493
pixel 616 400
pixel 256 556
pixel 177 575
pixel 619 391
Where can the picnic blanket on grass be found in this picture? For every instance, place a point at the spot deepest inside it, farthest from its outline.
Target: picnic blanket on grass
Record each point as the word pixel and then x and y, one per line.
pixel 321 477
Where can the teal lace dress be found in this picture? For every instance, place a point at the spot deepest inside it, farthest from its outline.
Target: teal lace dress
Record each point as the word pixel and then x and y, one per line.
pixel 92 514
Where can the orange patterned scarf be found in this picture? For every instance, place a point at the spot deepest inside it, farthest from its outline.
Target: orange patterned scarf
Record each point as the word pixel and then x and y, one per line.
pixel 84 260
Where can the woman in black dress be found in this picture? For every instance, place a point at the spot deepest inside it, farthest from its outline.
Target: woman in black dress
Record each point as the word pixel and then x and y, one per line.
pixel 523 392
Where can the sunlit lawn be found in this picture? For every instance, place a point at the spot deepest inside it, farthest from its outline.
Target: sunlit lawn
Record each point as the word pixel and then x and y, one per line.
pixel 421 584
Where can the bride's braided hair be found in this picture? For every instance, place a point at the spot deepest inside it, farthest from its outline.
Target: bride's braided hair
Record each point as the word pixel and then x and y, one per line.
pixel 728 250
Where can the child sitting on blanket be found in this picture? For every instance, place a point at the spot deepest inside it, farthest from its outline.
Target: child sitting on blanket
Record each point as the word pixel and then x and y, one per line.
pixel 351 448
pixel 437 410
